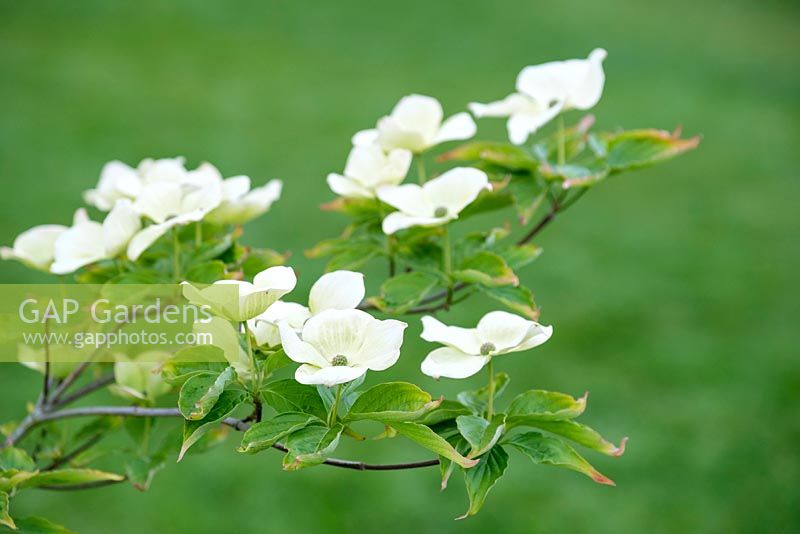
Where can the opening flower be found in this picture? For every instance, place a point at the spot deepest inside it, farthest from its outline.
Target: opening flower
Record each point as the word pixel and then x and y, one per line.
pixel 467 350
pixel 35 247
pixel 436 202
pixel 337 290
pixel 138 378
pixel 544 91
pixel 369 168
pixel 338 346
pixel 239 301
pixel 416 124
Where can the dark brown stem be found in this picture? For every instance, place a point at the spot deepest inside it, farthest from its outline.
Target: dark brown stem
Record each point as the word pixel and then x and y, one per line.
pixel 85 485
pixel 135 411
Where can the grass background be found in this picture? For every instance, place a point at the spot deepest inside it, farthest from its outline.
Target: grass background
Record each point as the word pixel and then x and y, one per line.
pixel 672 290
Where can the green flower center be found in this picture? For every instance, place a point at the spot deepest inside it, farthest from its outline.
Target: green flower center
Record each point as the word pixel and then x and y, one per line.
pixel 487 348
pixel 441 211
pixel 339 360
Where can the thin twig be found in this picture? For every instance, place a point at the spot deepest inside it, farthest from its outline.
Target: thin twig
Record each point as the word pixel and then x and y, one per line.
pixel 88 388
pixel 88 444
pixel 136 411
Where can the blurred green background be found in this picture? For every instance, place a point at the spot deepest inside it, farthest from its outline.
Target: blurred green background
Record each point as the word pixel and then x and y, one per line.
pixel 671 289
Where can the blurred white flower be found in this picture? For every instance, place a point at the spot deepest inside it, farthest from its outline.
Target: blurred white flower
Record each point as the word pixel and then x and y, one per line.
pixel 35 247
pixel 162 170
pixel 436 202
pixel 117 181
pixel 369 168
pixel 88 241
pixel 241 204
pixel 138 378
pixel 338 346
pixel 546 90
pixel 416 124
pixel 337 290
pixel 239 301
pixel 467 350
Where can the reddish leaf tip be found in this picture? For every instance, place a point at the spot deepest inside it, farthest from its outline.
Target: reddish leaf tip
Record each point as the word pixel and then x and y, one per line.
pixel 619 451
pixel 602 479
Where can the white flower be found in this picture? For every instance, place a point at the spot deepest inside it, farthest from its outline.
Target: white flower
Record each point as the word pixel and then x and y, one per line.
pixel 149 235
pixel 369 168
pixel 337 290
pixel 467 350
pixel 35 247
pixel 88 241
pixel 163 170
pixel 436 202
pixel 338 346
pixel 239 301
pixel 416 124
pixel 117 181
pixel 240 204
pixel 546 90
pixel 139 378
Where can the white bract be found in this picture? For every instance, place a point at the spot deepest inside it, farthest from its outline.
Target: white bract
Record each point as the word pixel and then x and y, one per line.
pixel 241 204
pixel 139 378
pixel 338 346
pixel 337 290
pixel 436 202
pixel 416 124
pixel 239 301
pixel 369 168
pixel 467 350
pixel 35 247
pixel 117 181
pixel 88 241
pixel 544 91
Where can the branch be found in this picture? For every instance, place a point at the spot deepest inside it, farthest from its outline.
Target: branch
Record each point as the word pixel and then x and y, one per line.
pixel 35 419
pixel 88 388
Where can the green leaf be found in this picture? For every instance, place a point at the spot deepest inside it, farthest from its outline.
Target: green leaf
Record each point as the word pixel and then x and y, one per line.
pixel 5 518
pixel 206 273
pixel 575 138
pixel 266 433
pixel 518 299
pixel 582 435
pixel 404 291
pixel 288 395
pixel 141 470
pixel 200 392
pixel 446 466
pixel 502 155
pixel 639 148
pixel 482 478
pixel 487 269
pixel 228 401
pixel 311 446
pixel 480 433
pixel 477 400
pixel 528 193
pixel 259 259
pixel 429 439
pixel 68 477
pixel 347 252
pixel 275 360
pixel 517 256
pixel 446 411
pixel 190 361
pixel 547 450
pixel 488 201
pixel 40 525
pixel 540 405
pixel 392 401
pixel 13 458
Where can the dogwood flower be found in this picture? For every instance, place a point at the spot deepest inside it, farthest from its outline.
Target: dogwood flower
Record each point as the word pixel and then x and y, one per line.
pixel 88 241
pixel 337 290
pixel 467 350
pixel 138 378
pixel 338 346
pixel 436 202
pixel 369 168
pixel 416 124
pixel 34 247
pixel 117 181
pixel 241 204
pixel 544 91
pixel 239 301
